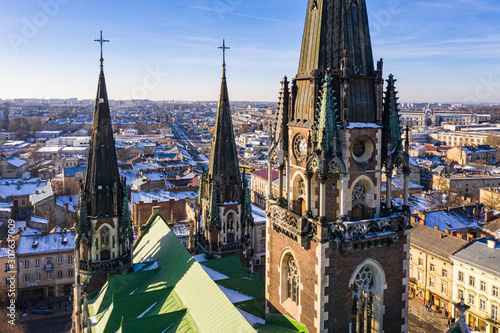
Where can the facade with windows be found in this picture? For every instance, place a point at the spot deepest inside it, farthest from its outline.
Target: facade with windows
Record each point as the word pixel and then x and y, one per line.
pixel 8 270
pixel 431 269
pixel 45 265
pixel 476 279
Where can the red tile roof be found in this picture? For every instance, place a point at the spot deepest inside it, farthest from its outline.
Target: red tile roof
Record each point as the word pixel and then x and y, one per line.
pixel 262 173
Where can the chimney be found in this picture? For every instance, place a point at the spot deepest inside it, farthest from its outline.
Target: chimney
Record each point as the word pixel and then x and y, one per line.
pixel 488 215
pixel 441 235
pixel 421 217
pixel 470 237
pixel 156 210
pixel 66 206
pixel 491 243
pixel 436 227
pixel 475 212
pixel 460 236
pixel 447 231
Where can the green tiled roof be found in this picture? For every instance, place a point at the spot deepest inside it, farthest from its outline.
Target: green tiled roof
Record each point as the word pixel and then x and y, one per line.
pixel 230 266
pixel 178 296
pixel 249 284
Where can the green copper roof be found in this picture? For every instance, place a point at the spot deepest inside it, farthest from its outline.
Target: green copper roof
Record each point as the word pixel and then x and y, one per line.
pixel 230 266
pixel 178 296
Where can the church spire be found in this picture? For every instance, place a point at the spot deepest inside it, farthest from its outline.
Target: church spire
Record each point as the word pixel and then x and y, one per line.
pixel 102 180
pixel 337 38
pixel 335 30
pixel 223 165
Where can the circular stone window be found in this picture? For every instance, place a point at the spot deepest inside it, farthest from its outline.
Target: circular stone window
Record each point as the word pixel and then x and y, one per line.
pixel 299 147
pixel 362 150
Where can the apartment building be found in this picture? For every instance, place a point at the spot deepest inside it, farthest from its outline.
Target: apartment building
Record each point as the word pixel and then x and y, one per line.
pixel 431 269
pixel 476 279
pixel 45 264
pixel 482 154
pixel 464 184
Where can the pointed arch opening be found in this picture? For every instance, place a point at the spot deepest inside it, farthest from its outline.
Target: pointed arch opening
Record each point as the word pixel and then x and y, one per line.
pixel 367 309
pixel 290 282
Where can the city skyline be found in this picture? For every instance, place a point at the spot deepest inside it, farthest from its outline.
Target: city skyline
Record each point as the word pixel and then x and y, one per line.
pixel 440 51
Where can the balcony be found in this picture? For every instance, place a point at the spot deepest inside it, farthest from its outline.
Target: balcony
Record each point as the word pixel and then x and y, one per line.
pixel 48 267
pixel 288 223
pixel 218 248
pixel 107 265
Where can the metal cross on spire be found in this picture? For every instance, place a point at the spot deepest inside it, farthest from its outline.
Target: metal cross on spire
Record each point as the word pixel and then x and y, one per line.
pixel 224 48
pixel 101 41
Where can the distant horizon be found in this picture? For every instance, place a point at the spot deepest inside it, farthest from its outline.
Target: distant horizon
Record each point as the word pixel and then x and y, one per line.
pixel 439 51
pixel 2 100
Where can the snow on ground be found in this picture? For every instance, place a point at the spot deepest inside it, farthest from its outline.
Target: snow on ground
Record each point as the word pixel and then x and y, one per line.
pixel 252 320
pixel 234 296
pixel 214 275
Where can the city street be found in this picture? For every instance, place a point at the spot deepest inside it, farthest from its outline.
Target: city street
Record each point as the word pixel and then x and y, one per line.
pixel 56 324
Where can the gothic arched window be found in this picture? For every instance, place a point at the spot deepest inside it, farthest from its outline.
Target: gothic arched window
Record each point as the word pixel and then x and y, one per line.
pixel 362 301
pixel 292 280
pixel 230 222
pixel 105 237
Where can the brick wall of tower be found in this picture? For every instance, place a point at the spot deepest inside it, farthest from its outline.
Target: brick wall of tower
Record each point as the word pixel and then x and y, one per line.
pixel 306 261
pixel 342 265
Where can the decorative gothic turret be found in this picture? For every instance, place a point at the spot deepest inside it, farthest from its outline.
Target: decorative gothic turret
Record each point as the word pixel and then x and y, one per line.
pixel 333 141
pixel 104 234
pixel 224 227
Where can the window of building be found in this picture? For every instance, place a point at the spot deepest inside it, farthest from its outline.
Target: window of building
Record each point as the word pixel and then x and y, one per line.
pixel 70 258
pixel 59 274
pixel 49 275
pixel 472 281
pixel 7 281
pixel 26 278
pixel 292 280
pixel 362 308
pixel 482 304
pixel 37 262
pixel 38 276
pixel 420 277
pixel 460 294
pixel 494 312
pixel 471 299
pixel 460 276
pixel 105 237
pixel 7 268
pixel 444 273
pixel 431 267
pixel 59 260
pixel 494 291
pixel 23 202
pixel 70 273
pixel 444 288
pixel 26 263
pixel 420 262
pixel 482 285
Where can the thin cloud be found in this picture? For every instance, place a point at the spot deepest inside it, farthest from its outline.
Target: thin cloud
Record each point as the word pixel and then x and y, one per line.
pixel 243 15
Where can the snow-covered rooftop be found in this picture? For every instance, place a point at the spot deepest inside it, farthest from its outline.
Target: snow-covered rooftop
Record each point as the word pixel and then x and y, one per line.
pixel 52 242
pixel 16 161
pixel 161 196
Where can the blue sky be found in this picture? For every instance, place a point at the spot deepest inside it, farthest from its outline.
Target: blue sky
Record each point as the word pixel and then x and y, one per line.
pixel 440 50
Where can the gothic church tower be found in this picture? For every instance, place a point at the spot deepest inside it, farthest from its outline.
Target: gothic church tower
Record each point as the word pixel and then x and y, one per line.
pixel 337 252
pixel 224 198
pixel 104 234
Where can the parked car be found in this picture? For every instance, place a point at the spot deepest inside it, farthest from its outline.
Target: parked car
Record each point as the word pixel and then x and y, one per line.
pixel 43 310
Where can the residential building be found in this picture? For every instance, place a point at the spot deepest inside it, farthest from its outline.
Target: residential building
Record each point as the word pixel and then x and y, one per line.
pixel 18 192
pixel 13 167
pixel 464 184
pixel 45 264
pixel 459 138
pixel 259 186
pixel 431 270
pixel 476 279
pixel 481 154
pixel 8 272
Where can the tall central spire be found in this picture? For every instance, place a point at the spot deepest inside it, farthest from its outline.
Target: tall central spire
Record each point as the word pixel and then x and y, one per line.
pixel 102 180
pixel 334 30
pixel 223 165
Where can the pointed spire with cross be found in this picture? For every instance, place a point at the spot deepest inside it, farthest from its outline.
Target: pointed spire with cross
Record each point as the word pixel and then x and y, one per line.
pixel 101 41
pixel 224 48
